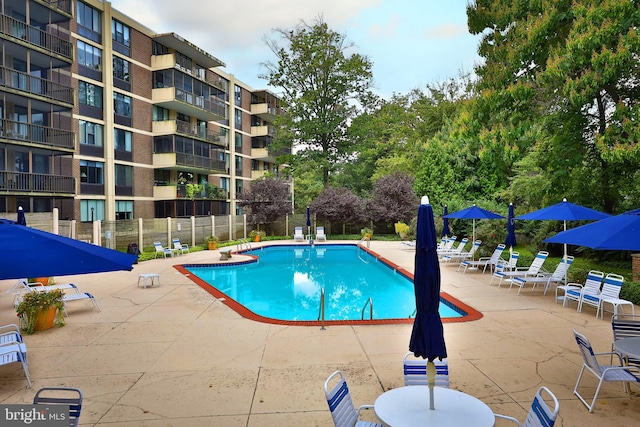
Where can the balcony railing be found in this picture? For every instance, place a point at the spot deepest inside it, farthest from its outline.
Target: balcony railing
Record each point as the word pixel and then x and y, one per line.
pixel 201 191
pixel 63 5
pixel 35 85
pixel 199 162
pixel 35 36
pixel 187 128
pixel 213 105
pixel 24 182
pixel 37 134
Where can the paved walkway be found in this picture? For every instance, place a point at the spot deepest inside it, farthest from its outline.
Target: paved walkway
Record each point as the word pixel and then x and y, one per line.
pixel 172 355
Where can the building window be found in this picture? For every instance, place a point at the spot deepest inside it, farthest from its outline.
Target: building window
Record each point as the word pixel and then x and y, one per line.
pixel 121 37
pixel 124 175
pixel 89 56
pixel 89 22
pixel 238 139
pixel 91 210
pixel 238 94
pixel 121 69
pixel 160 114
pixel 159 49
pixel 124 209
pixel 238 165
pixel 91 172
pixel 89 94
pixel 238 187
pixel 122 140
pixel 122 104
pixel 238 118
pixel 90 133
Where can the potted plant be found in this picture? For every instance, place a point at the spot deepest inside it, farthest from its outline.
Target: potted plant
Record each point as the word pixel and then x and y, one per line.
pixel 367 233
pixel 212 242
pixel 402 229
pixel 41 310
pixel 256 235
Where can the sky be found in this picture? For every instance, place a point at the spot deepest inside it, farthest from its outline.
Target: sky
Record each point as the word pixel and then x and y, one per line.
pixel 411 43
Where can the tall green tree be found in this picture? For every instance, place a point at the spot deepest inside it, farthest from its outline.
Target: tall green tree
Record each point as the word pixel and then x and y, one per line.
pixel 324 84
pixel 574 66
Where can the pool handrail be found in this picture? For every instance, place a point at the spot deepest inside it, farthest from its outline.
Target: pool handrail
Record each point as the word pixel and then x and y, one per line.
pixel 370 304
pixel 321 309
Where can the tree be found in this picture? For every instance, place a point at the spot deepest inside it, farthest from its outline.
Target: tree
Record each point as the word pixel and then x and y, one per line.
pixel 393 199
pixel 337 204
pixel 267 199
pixel 324 85
pixel 573 65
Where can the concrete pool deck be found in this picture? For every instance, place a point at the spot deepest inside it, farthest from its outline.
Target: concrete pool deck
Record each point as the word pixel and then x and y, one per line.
pixel 173 355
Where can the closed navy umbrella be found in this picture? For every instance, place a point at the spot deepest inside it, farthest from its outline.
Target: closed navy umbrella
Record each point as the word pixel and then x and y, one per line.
pixel 445 227
pixel 510 241
pixel 36 253
pixel 308 220
pixel 615 233
pixel 22 220
pixel 427 336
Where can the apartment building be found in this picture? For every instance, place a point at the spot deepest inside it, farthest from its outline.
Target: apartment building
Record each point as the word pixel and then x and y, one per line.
pixel 105 119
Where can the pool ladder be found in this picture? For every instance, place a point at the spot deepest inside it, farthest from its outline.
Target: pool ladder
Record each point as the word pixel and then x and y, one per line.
pixel 363 259
pixel 369 304
pixel 321 310
pixel 364 239
pixel 243 244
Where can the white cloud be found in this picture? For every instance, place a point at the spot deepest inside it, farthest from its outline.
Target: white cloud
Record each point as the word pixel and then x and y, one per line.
pixel 447 30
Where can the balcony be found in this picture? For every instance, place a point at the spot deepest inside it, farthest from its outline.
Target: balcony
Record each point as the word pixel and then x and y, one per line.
pixel 179 161
pixel 36 38
pixel 17 81
pixel 169 127
pixel 172 98
pixel 260 154
pixel 257 174
pixel 44 136
pixel 264 111
pixel 182 191
pixel 59 5
pixel 262 131
pixel 36 183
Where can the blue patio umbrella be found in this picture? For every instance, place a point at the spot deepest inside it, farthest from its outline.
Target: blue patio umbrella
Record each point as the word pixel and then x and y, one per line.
pixel 427 336
pixel 21 218
pixel 510 240
pixel 474 213
pixel 445 223
pixel 614 233
pixel 29 252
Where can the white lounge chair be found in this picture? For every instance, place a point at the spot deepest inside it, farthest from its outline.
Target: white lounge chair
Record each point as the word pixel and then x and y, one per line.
pixel 180 248
pixel 162 250
pixel 320 236
pixel 547 279
pixel 22 286
pixel 531 271
pixel 506 265
pixel 297 234
pixel 447 245
pixel 454 251
pixel 483 262
pixel 463 255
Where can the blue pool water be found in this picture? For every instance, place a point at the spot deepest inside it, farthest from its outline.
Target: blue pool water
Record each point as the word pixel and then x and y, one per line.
pixel 286 283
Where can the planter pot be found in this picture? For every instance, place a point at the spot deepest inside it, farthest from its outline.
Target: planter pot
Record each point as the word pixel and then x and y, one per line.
pixel 212 245
pixel 43 280
pixel 45 319
pixel 257 238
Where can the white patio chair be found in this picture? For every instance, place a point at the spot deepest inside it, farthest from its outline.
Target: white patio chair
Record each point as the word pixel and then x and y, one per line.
pixel 546 278
pixel 297 234
pixel 531 271
pixel 609 373
pixel 180 248
pixel 572 291
pixel 343 411
pixel 15 352
pixel 610 294
pixel 625 326
pixel 320 236
pixel 484 261
pixel 540 414
pixel 162 250
pixel 415 371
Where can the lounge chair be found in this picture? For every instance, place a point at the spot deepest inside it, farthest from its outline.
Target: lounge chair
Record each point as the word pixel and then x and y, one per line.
pixel 447 245
pixel 454 251
pixel 23 286
pixel 557 276
pixel 415 371
pixel 343 411
pixel 180 248
pixel 69 397
pixel 297 234
pixel 463 255
pixel 575 291
pixel 611 373
pixel 531 271
pixel 506 265
pixel 320 234
pixel 540 414
pixel 484 261
pixel 67 297
pixel 162 250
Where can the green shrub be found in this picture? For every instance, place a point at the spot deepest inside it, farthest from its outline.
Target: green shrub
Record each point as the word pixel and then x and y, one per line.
pixel 577 275
pixel 631 292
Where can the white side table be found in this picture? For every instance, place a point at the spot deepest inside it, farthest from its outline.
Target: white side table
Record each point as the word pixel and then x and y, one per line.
pixel 148 276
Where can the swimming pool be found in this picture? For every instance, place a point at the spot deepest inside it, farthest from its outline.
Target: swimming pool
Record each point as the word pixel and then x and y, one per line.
pixel 284 284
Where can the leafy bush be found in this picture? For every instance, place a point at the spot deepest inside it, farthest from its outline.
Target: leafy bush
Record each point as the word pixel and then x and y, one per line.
pixel 631 292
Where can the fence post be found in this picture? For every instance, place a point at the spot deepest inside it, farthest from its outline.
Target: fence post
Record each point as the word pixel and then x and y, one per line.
pixel 213 225
pixel 193 230
pixel 96 233
pixel 286 225
pixel 168 231
pixel 72 229
pixel 244 225
pixel 140 234
pixel 56 221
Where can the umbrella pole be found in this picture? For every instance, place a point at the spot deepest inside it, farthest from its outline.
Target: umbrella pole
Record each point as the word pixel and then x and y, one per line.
pixel 431 376
pixel 565 254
